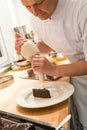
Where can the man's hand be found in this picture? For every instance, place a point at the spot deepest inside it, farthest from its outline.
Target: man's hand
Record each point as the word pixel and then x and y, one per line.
pixel 19 41
pixel 41 64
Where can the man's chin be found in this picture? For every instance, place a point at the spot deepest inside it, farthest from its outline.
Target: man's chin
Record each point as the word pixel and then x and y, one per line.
pixel 43 17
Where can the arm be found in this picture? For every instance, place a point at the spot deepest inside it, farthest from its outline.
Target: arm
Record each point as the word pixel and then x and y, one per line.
pixel 74 69
pixel 20 40
pixel 43 48
pixel 41 64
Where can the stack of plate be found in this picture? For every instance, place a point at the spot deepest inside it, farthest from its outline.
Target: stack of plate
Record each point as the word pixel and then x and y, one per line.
pixel 5 81
pixel 21 65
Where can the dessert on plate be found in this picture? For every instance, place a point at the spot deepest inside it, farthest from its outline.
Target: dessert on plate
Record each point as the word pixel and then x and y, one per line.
pixel 41 93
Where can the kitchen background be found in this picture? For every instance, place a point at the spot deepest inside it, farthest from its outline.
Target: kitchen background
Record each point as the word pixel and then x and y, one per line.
pixel 12 14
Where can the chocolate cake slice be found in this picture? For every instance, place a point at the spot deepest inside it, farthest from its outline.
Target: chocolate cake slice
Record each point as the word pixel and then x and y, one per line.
pixel 42 93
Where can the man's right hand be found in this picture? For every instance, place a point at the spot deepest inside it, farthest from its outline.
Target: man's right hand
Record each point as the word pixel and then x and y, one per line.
pixel 19 41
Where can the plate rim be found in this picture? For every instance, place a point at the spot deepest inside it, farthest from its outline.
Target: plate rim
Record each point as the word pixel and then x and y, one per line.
pixel 43 106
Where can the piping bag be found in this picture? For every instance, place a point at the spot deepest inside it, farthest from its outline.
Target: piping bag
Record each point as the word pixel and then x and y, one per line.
pixel 28 50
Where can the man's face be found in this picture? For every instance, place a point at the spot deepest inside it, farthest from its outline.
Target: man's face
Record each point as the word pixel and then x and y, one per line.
pixel 42 9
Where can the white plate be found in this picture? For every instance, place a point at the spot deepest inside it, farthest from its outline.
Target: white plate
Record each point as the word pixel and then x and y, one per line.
pixel 59 91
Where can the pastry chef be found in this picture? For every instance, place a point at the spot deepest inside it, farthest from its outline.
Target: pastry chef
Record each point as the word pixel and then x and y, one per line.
pixel 61 25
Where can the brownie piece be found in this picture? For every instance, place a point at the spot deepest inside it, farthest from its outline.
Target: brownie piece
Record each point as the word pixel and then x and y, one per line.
pixel 21 126
pixel 42 93
pixel 7 125
pixel 31 74
pixel 1 124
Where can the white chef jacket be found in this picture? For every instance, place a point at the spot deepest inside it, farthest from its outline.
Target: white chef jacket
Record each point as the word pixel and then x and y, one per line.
pixel 66 32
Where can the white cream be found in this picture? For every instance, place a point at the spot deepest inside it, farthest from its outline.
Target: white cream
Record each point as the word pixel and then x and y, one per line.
pixel 28 50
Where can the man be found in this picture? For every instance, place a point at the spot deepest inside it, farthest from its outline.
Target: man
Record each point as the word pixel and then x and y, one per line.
pixel 61 25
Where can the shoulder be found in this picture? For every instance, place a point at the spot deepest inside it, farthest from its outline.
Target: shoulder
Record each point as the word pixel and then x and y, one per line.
pixel 83 6
pixel 76 10
pixel 76 4
pixel 82 17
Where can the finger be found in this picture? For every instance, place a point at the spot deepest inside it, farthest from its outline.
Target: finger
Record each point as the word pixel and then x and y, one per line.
pixel 17 35
pixel 20 41
pixel 18 51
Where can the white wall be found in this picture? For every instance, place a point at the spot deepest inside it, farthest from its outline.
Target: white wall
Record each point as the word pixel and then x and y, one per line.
pixel 19 14
pixel 5 24
pixel 13 16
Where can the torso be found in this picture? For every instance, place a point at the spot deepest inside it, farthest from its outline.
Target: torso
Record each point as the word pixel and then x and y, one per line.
pixel 62 32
